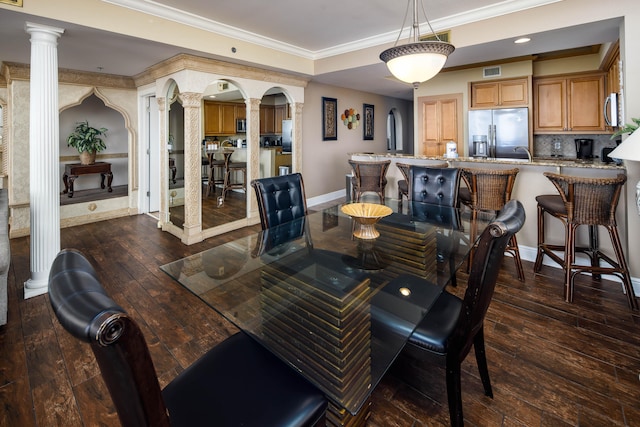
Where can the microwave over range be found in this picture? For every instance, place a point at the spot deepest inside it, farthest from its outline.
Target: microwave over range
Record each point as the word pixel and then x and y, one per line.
pixel 241 125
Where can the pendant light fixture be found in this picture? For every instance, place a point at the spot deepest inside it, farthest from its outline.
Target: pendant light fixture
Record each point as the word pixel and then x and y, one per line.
pixel 418 61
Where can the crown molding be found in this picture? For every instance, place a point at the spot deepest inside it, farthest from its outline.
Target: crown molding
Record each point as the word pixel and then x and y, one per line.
pixel 172 14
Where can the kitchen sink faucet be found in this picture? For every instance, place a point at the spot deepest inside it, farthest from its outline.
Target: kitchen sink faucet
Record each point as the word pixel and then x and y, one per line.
pixel 526 150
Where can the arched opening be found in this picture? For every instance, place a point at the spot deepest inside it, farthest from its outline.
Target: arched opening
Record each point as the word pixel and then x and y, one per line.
pixel 176 150
pixel 88 188
pixel 276 134
pixel 224 155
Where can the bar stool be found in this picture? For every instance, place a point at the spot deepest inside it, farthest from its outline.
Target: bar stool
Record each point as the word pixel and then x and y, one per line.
pixel 490 190
pixel 230 170
pixel 216 175
pixel 403 184
pixel 591 202
pixel 369 177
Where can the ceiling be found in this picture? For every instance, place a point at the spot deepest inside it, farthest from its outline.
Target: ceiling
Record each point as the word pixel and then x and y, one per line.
pixel 335 27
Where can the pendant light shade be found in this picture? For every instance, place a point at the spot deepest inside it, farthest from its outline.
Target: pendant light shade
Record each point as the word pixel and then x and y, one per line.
pixel 418 61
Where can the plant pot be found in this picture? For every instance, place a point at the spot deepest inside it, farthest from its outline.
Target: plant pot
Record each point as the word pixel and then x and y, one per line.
pixel 87 157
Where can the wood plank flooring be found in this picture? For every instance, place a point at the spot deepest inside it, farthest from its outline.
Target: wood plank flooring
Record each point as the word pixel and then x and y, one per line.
pixel 551 363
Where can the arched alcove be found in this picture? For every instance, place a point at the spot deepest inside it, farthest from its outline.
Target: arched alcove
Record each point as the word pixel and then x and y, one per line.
pixel 93 110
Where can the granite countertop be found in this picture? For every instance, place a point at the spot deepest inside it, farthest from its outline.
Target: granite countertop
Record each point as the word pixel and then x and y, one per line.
pixel 537 161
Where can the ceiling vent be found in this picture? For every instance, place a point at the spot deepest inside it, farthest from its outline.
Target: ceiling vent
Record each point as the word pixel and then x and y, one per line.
pixel 223 86
pixel 492 71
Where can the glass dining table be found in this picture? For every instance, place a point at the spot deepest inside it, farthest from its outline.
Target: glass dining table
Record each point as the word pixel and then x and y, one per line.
pixel 336 308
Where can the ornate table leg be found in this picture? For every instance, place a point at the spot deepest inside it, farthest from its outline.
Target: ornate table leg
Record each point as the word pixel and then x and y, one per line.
pixel 70 180
pixel 109 176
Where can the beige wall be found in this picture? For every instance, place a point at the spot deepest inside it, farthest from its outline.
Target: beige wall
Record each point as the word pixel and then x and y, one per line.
pixel 324 163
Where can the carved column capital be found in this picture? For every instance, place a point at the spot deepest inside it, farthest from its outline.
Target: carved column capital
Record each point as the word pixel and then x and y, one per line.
pixel 190 99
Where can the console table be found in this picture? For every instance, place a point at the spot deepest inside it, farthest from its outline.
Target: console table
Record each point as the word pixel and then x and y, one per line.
pixel 74 170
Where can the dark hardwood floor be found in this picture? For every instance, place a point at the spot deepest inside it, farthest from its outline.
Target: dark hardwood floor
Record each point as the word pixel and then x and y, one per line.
pixel 551 363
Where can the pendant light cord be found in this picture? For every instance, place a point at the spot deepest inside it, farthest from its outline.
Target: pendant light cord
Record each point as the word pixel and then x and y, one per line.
pixel 406 13
pixel 415 27
pixel 429 23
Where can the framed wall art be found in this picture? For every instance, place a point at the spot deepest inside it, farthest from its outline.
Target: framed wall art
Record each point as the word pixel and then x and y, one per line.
pixel 367 129
pixel 329 119
pixel 12 2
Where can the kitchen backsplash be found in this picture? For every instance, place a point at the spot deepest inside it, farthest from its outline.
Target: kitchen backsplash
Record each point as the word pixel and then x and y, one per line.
pixel 544 145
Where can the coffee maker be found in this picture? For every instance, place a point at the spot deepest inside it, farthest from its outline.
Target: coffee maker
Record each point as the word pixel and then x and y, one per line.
pixel 584 148
pixel 480 147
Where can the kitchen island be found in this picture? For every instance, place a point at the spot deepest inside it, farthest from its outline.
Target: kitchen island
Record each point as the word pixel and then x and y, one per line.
pixel 530 183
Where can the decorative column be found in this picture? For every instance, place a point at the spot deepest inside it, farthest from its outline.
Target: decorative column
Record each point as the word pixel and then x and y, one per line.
pixel 253 151
pixel 44 154
pixel 191 102
pixel 296 143
pixel 164 160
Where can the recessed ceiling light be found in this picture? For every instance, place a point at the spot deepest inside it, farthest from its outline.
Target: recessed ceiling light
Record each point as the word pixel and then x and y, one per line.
pixel 522 40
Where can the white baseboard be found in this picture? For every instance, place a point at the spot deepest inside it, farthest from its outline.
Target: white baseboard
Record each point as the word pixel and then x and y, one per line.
pixel 326 198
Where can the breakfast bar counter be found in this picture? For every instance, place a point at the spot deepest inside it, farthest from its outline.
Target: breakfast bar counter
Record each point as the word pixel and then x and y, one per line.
pixel 530 182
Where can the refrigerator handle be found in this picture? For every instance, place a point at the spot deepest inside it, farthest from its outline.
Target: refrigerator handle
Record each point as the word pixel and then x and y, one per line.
pixel 493 140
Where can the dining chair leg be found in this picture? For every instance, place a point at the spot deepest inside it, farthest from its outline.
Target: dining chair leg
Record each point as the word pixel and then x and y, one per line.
pixel 454 390
pixel 481 360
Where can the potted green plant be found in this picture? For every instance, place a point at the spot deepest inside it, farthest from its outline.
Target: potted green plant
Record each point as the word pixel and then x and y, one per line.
pixel 88 141
pixel 627 128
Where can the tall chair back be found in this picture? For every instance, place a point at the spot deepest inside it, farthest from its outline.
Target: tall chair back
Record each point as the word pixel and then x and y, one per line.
pixel 484 274
pixel 437 186
pixel 489 190
pixel 280 199
pixel 403 184
pixel 369 177
pixel 89 314
pixel 217 389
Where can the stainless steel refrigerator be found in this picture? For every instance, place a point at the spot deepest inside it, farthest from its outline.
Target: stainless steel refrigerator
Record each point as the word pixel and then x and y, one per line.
pixel 502 129
pixel 287 131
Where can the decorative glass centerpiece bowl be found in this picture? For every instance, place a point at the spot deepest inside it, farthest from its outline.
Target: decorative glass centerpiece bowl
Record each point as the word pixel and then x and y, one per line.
pixel 366 215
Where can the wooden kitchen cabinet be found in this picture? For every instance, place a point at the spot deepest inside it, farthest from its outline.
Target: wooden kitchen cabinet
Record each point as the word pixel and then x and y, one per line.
pixel 612 65
pixel 219 118
pixel 280 113
pixel 267 119
pixel 500 93
pixel 440 118
pixel 241 111
pixel 569 104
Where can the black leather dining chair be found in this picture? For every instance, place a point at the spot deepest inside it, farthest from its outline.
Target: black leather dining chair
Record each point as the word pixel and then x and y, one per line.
pixel 236 383
pixel 280 199
pixel 435 191
pixel 453 325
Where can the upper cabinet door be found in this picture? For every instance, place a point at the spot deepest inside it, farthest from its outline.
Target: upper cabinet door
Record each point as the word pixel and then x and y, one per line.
pixel 503 93
pixel 550 101
pixel 585 104
pixel 572 104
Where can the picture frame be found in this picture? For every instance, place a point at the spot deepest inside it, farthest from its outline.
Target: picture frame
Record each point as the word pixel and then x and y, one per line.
pixel 329 119
pixel 367 129
pixel 12 2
